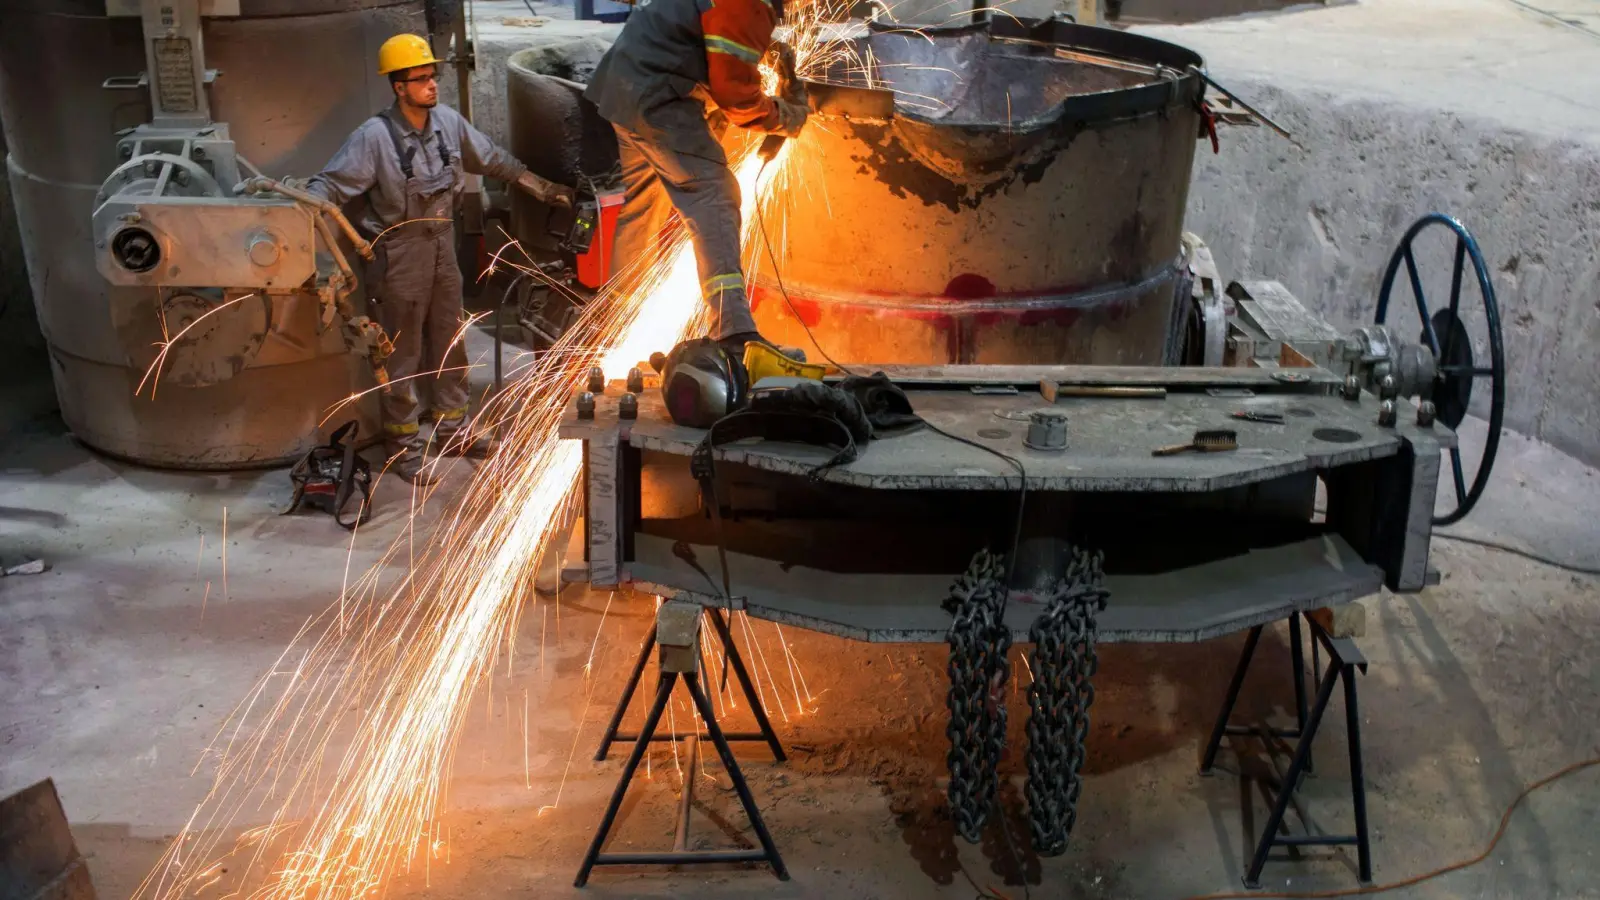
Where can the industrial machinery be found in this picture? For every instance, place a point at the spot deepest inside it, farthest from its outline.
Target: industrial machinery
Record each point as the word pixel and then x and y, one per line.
pixel 1012 257
pixel 196 317
pixel 558 134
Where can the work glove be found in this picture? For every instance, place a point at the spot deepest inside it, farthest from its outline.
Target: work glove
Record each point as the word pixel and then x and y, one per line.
pixel 546 191
pixel 790 87
pixel 791 117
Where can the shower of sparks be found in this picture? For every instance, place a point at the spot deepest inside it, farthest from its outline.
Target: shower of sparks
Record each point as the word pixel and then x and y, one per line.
pixel 398 663
pixel 346 745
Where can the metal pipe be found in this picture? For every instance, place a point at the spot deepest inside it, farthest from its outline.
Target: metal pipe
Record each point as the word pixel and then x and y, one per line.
pixel 338 255
pixel 673 858
pixel 259 184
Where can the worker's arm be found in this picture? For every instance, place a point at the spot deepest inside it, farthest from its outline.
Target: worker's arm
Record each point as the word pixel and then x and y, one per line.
pixel 737 33
pixel 481 156
pixel 352 171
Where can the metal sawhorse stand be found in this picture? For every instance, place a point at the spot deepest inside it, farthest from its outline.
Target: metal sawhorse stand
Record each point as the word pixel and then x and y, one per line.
pixel 677 632
pixel 735 661
pixel 1344 659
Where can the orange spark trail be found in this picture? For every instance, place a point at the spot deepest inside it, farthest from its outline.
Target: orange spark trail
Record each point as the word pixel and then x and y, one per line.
pixel 397 664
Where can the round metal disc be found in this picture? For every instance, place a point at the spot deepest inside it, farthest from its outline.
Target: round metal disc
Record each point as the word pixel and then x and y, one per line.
pixel 1336 435
pixel 1453 392
pixel 191 338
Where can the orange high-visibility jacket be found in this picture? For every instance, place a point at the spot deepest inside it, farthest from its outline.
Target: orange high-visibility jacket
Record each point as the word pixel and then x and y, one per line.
pixel 672 49
pixel 738 33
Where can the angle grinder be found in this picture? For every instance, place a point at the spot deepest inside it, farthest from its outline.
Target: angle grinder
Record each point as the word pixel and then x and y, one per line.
pixel 790 88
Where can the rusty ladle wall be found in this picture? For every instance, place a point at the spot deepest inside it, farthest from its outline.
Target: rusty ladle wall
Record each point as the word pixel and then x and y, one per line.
pixel 1015 207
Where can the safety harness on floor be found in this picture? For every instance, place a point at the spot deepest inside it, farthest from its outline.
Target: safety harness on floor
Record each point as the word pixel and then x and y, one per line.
pixel 330 474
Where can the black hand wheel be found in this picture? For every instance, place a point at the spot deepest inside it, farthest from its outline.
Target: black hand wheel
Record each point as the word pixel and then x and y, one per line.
pixel 1447 336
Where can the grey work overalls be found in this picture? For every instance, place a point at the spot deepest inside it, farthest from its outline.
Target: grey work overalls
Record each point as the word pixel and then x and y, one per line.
pixel 416 285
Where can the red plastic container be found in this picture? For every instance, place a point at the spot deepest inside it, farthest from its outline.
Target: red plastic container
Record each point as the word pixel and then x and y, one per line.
pixel 595 265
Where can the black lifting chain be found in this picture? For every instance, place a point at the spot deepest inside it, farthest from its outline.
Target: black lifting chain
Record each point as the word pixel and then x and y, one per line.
pixel 979 642
pixel 1064 661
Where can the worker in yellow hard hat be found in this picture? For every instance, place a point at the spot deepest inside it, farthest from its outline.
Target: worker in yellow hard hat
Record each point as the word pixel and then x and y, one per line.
pixel 408 163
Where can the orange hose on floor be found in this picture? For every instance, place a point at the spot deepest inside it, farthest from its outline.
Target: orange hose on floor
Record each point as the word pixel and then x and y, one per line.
pixel 1416 879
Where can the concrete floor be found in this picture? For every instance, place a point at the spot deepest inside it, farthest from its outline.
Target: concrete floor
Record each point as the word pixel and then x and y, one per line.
pixel 120 663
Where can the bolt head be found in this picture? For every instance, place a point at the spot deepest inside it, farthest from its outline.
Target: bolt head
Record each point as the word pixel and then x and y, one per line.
pixel 264 251
pixel 1426 413
pixel 197 153
pixel 628 406
pixel 125 151
pixel 1388 388
pixel 586 405
pixel 1387 414
pixel 597 380
pixel 1351 390
pixel 635 380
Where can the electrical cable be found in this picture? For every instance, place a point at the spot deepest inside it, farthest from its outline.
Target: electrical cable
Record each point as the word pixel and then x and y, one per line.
pixel 1518 551
pixel 761 225
pixel 1415 879
pixel 1022 472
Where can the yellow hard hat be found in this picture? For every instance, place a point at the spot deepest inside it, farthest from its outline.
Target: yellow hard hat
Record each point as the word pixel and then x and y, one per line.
pixel 404 51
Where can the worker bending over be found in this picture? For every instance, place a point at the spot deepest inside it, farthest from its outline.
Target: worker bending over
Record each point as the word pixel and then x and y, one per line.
pixel 675 63
pixel 408 162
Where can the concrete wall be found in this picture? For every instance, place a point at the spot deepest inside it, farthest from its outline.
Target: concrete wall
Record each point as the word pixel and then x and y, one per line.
pixel 1325 223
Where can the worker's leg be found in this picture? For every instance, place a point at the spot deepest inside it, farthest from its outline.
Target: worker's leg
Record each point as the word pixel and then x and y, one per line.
pixel 447 352
pixel 695 174
pixel 643 217
pixel 400 282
